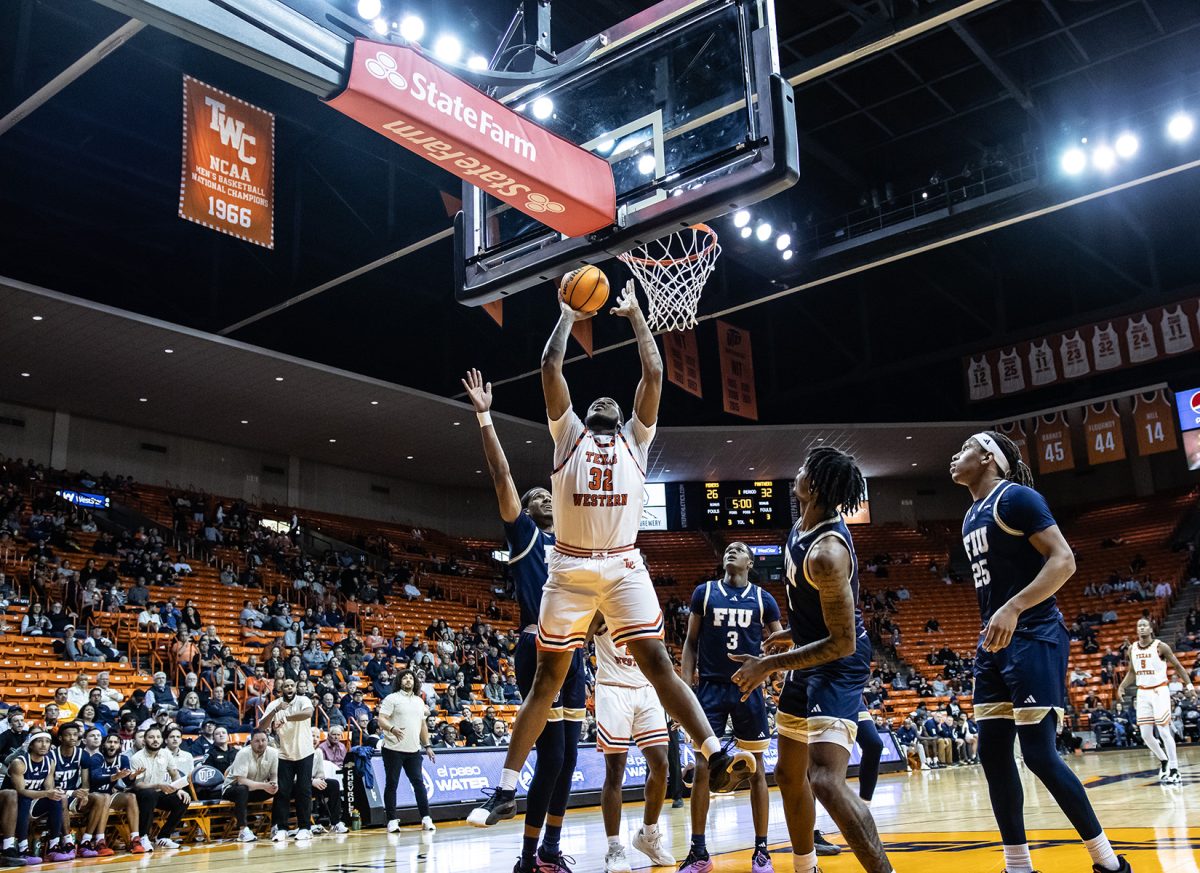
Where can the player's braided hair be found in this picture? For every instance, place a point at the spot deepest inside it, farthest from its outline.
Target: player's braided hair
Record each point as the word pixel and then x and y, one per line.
pixel 836 479
pixel 1018 470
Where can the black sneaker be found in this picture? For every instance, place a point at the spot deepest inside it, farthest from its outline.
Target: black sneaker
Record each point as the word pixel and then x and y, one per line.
pixel 501 805
pixel 522 866
pixel 552 862
pixel 1162 771
pixel 11 858
pixel 726 772
pixel 696 862
pixel 1124 868
pixel 823 846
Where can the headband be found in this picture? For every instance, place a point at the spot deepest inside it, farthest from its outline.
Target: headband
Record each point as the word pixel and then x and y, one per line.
pixel 39 735
pixel 992 447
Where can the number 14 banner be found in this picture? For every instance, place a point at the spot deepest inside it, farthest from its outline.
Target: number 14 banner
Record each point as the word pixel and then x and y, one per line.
pixel 228 178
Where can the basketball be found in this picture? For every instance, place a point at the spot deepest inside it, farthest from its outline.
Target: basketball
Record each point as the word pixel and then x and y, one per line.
pixel 585 289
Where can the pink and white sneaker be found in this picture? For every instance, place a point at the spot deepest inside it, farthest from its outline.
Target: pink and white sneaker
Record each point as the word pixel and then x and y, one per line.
pixel 760 862
pixel 694 864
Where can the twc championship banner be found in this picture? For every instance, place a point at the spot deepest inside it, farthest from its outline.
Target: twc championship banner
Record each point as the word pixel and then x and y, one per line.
pixel 228 177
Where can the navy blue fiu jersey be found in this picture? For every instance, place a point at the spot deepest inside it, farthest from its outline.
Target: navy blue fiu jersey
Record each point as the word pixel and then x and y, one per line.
pixel 67 770
pixel 804 600
pixel 527 544
pixel 996 534
pixel 37 773
pixel 733 621
pixel 102 771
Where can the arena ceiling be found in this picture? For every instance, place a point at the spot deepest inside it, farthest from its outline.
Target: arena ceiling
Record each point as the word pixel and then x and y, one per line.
pixel 91 187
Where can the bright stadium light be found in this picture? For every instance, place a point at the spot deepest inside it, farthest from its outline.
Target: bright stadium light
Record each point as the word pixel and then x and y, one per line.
pixel 1104 158
pixel 412 28
pixel 646 165
pixel 787 256
pixel 543 108
pixel 379 26
pixel 447 48
pixel 746 231
pixel 368 9
pixel 1181 126
pixel 782 241
pixel 1126 145
pixel 741 218
pixel 477 62
pixel 1074 161
pixel 763 232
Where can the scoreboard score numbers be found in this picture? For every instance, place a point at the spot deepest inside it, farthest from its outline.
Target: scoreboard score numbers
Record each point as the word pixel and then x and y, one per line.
pixel 763 504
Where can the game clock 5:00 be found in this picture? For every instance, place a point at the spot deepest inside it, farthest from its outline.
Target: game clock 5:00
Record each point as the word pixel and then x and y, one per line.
pixel 728 505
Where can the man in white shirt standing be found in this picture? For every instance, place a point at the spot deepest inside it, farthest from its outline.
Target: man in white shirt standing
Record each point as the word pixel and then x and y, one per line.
pixel 403 735
pixel 290 715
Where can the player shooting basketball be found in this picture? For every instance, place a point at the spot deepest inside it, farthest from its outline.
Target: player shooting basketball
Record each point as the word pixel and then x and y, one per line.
pixel 598 488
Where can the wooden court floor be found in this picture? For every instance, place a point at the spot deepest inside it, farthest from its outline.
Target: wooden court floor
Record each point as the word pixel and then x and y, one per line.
pixel 932 822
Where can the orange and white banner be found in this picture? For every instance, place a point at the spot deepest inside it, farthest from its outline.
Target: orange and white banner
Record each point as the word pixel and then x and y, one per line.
pixel 737 371
pixel 1102 428
pixel 683 361
pixel 1053 441
pixel 228 177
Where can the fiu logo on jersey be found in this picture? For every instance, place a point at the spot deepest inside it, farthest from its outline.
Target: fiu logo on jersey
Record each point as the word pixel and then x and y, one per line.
pixel 724 617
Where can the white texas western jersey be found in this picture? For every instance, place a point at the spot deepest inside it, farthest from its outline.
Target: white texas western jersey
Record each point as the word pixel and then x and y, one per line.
pixel 1176 331
pixel 1041 364
pixel 598 483
pixel 1140 337
pixel 614 664
pixel 1106 351
pixel 1150 668
pixel 1074 356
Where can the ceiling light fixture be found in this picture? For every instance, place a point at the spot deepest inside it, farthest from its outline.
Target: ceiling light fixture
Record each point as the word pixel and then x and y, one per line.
pixel 1180 126
pixel 142 400
pixel 37 318
pixel 741 218
pixel 368 9
pixel 746 231
pixel 374 402
pixel 409 457
pixel 278 378
pixel 787 256
pixel 477 62
pixel 244 421
pixel 447 48
pixel 412 28
pixel 1074 161
pixel 783 241
pixel 543 108
pixel 168 351
pixel 1126 145
pixel 333 441
pixel 1104 158
pixel 763 232
pixel 728 441
pixel 25 375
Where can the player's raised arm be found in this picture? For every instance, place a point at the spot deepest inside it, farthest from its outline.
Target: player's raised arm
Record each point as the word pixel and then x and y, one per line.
pixel 480 393
pixel 554 385
pixel 649 390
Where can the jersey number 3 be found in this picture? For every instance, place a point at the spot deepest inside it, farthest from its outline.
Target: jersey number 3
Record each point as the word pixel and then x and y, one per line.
pixel 600 480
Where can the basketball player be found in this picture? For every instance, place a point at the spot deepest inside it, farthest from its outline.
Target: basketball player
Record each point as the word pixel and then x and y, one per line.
pixel 598 487
pixel 627 711
pixel 1019 560
pixel 1148 660
pixel 829 654
pixel 529 528
pixel 730 616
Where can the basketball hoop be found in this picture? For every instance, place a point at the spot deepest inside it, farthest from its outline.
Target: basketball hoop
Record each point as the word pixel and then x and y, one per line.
pixel 672 271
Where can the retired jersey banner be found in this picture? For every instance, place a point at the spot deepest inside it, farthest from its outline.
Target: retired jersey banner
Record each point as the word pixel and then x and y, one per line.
pixel 1114 344
pixel 396 91
pixel 1102 430
pixel 1053 441
pixel 1154 423
pixel 1015 431
pixel 737 371
pixel 683 361
pixel 228 177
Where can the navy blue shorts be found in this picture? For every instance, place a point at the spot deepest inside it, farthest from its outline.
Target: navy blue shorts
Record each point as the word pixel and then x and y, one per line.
pixel 1027 679
pixel 825 702
pixel 571 700
pixel 723 700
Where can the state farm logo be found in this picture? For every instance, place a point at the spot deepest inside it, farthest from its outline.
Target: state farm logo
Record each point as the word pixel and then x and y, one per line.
pixel 541 203
pixel 383 66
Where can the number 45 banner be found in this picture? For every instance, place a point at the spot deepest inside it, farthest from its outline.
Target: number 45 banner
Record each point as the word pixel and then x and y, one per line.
pixel 228 177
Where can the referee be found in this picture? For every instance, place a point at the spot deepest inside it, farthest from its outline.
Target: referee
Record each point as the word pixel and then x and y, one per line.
pixel 291 717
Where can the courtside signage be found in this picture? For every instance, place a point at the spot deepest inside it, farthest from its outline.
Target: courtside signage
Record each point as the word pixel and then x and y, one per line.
pixel 228 177
pixel 395 91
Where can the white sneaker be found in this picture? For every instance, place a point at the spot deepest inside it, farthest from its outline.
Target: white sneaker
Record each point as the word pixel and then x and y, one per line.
pixel 147 844
pixel 303 835
pixel 279 836
pixel 394 826
pixel 427 824
pixel 167 843
pixel 615 861
pixel 652 847
pixel 317 830
pixel 247 836
pixel 340 828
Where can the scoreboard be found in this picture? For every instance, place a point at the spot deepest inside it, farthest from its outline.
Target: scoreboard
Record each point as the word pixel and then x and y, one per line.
pixel 731 505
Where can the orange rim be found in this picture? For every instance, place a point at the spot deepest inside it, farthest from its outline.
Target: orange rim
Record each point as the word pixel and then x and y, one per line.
pixel 670 262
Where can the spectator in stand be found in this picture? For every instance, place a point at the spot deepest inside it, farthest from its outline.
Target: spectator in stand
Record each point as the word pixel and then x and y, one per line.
pixel 939 686
pixel 383 683
pixel 314 656
pixel 326 794
pixel 66 710
pixel 329 714
pixel 153 789
pixel 181 761
pixel 60 619
pixel 451 702
pixel 191 715
pixel 375 640
pixel 223 712
pixel 512 694
pixel 203 742
pixel 494 690
pixel 333 749
pixel 359 731
pixel 160 693
pixel 253 775
pixel 149 620
pixel 1162 590
pixel 449 739
pixel 35 623
pixel 932 626
pixel 473 732
pixel 906 736
pixel 1079 677
pixel 16 734
pixel 499 734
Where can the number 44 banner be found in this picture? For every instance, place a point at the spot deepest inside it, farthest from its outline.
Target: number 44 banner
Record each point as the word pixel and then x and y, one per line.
pixel 228 178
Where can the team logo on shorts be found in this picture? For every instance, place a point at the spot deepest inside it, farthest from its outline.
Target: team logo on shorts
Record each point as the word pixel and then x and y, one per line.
pixel 629 565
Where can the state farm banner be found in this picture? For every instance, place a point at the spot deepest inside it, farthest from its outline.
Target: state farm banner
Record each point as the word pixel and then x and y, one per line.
pixel 396 91
pixel 683 361
pixel 228 177
pixel 1113 344
pixel 737 371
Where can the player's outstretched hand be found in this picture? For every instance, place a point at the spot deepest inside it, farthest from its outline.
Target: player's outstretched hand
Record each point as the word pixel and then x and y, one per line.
pixel 780 641
pixel 572 314
pixel 627 304
pixel 1000 629
pixel 750 675
pixel 479 391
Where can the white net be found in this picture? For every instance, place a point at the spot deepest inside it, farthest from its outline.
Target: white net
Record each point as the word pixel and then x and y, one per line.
pixel 672 271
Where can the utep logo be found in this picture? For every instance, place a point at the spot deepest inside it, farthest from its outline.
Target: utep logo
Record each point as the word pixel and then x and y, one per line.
pixel 629 564
pixel 233 132
pixel 429 787
pixel 383 66
pixel 526 776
